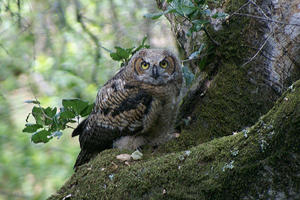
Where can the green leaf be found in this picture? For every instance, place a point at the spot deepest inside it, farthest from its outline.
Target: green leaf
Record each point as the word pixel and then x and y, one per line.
pixel 219 15
pixel 75 105
pixel 158 15
pixel 153 15
pixel 67 114
pixel 87 110
pixel 42 136
pixel 50 112
pixel 31 128
pixel 200 22
pixel 183 7
pixel 38 115
pixel 115 56
pixel 123 53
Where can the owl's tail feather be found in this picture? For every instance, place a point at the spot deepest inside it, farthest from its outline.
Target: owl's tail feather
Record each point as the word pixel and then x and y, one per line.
pixel 83 157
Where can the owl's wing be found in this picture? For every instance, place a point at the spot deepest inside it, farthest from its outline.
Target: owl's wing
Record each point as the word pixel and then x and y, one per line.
pixel 120 109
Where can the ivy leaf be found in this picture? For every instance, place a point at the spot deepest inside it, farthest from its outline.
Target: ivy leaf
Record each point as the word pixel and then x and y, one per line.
pixel 41 136
pixel 75 105
pixel 31 128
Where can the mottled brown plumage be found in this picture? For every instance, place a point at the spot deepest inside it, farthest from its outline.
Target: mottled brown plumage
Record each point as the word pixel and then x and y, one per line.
pixel 138 105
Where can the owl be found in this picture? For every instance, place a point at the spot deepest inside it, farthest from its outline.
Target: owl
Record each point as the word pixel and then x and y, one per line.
pixel 137 106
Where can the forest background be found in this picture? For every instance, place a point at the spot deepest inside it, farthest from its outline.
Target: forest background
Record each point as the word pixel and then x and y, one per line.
pixel 52 50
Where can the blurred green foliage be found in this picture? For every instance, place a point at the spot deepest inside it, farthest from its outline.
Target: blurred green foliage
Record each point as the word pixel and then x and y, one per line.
pixel 52 50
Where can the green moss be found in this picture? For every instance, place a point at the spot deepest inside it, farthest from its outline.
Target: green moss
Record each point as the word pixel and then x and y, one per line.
pixel 231 104
pixel 234 100
pixel 259 162
pixel 240 166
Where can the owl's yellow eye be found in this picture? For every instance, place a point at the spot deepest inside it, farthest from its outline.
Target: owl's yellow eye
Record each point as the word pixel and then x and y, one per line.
pixel 145 65
pixel 163 64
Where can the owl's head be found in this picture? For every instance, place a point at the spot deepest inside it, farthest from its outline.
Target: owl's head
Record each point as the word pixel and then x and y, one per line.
pixel 155 66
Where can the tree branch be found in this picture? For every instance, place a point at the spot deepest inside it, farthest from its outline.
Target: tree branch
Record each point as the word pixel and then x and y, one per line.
pixel 265 19
pixel 93 37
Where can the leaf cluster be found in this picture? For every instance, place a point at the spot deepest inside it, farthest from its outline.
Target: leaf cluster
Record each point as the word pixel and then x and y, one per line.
pixel 197 12
pixel 49 123
pixel 124 54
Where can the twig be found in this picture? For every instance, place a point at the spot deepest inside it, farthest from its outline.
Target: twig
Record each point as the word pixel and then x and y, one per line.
pixel 259 9
pixel 104 48
pixel 93 37
pixel 209 36
pixel 265 19
pixel 197 58
pixel 246 4
pixel 6 51
pixel 45 115
pixel 259 50
pixel 204 29
pixel 69 126
pixel 19 13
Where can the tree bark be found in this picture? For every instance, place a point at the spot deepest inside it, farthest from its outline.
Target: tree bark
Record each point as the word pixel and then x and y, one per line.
pixel 230 146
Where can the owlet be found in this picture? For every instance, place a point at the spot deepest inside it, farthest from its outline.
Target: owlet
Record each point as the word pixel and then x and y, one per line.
pixel 137 106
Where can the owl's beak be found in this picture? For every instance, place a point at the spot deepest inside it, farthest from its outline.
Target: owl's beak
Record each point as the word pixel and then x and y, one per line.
pixel 155 72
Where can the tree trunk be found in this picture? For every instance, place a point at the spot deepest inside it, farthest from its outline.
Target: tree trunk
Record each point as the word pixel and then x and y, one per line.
pixel 229 148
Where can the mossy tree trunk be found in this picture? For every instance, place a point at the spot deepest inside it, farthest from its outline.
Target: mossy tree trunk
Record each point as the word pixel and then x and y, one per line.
pixel 229 148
